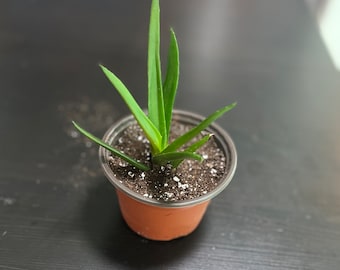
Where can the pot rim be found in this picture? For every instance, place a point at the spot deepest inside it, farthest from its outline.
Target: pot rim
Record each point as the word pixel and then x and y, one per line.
pixel 222 138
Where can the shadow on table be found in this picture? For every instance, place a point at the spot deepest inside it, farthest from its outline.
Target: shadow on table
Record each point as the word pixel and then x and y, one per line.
pixel 108 233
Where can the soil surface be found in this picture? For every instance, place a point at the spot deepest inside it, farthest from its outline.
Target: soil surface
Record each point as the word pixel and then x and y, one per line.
pixel 191 179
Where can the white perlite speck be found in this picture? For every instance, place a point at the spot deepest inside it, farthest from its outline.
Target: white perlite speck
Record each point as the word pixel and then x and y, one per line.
pixel 169 194
pixel 213 171
pixel 123 164
pixel 183 186
pixel 176 179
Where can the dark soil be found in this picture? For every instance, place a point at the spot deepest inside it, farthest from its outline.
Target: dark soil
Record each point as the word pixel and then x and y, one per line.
pixel 191 179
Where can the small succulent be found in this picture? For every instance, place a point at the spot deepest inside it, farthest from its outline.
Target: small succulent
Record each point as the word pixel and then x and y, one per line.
pixel 161 96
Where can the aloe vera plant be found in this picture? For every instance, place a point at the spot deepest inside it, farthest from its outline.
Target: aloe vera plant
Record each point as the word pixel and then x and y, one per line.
pixel 161 96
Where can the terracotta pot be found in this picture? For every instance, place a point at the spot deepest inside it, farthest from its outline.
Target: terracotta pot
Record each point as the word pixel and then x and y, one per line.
pixel 158 220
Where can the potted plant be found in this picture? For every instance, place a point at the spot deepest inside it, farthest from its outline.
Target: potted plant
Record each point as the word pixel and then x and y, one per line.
pixel 166 164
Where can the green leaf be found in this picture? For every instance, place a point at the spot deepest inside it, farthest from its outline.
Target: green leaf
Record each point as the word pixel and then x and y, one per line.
pixel 171 81
pixel 155 91
pixel 164 158
pixel 111 149
pixel 192 148
pixel 151 132
pixel 197 129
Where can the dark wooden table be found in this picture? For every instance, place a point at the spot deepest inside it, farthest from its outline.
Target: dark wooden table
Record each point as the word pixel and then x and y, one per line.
pixel 57 210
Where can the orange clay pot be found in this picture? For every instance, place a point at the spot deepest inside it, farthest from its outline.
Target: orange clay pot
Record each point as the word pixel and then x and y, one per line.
pixel 165 221
pixel 160 223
